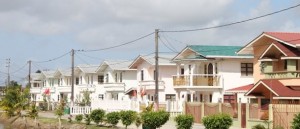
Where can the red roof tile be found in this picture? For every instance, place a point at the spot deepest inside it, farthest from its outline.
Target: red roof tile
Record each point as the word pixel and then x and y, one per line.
pixel 289 51
pixel 276 87
pixel 289 37
pixel 241 88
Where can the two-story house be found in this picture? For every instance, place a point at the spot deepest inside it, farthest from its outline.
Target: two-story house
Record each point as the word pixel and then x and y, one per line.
pixel 145 66
pixel 204 72
pixel 276 67
pixel 114 78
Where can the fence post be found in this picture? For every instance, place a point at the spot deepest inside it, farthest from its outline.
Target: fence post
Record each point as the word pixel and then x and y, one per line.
pixel 271 115
pixel 202 110
pixel 239 112
pixel 220 107
pixel 247 115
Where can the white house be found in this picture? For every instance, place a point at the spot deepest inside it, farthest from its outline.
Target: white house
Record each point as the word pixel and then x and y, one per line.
pixel 204 72
pixel 114 78
pixel 145 66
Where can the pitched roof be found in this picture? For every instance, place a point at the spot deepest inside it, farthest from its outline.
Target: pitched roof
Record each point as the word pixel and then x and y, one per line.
pixel 49 74
pixel 64 72
pixel 164 59
pixel 244 88
pixel 212 51
pixel 87 68
pixel 289 38
pixel 114 64
pixel 276 87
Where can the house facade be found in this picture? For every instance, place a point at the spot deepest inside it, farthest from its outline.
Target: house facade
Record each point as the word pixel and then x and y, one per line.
pixel 276 67
pixel 205 72
pixel 145 66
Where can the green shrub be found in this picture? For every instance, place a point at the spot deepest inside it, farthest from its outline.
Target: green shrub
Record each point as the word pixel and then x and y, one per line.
pixel 296 122
pixel 78 118
pixel 113 118
pixel 184 121
pixel 258 126
pixel 138 121
pixel 97 115
pixel 217 121
pixel 87 119
pixel 128 117
pixel 155 120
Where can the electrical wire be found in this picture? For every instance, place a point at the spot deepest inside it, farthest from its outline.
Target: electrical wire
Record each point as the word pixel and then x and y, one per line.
pixel 126 43
pixel 233 23
pixel 92 57
pixel 53 59
pixel 21 68
pixel 170 48
pixel 81 59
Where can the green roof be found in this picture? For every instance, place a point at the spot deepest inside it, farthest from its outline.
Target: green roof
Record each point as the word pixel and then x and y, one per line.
pixel 207 50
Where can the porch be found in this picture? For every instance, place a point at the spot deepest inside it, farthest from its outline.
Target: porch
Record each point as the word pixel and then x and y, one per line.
pixel 197 81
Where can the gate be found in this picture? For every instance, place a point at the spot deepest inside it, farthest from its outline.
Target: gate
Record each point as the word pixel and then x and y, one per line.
pixel 283 114
pixel 194 109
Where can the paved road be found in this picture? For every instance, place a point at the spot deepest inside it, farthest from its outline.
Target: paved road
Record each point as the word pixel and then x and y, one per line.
pixel 169 125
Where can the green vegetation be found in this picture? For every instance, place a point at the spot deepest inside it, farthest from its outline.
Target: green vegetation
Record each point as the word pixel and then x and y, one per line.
pixel 155 120
pixel 97 115
pixel 258 126
pixel 79 118
pixel 184 121
pixel 296 122
pixel 217 121
pixel 113 118
pixel 15 100
pixel 128 117
pixel 87 119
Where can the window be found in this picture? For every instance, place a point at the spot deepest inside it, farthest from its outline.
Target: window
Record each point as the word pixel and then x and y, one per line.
pixel 88 80
pixel 77 81
pixel 228 98
pixel 116 77
pixel 182 71
pixel 205 69
pixel 106 78
pixel 58 82
pixel 216 68
pixel 246 69
pixel 61 81
pixel 190 69
pixel 285 64
pixel 121 77
pixel 100 79
pixel 92 79
pixel 101 96
pixel 142 75
pixel 170 97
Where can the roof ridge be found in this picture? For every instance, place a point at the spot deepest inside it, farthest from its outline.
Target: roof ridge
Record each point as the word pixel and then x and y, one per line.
pixel 281 32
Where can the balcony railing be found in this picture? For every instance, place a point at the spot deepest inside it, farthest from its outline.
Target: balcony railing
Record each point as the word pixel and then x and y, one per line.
pixel 35 90
pixel 197 80
pixel 51 89
pixel 283 74
pixel 150 84
pixel 114 86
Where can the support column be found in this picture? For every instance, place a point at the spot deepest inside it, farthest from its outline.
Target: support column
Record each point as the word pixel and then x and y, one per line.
pixel 192 96
pixel 178 69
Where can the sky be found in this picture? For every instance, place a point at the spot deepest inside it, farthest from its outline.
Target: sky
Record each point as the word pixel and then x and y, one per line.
pixel 42 30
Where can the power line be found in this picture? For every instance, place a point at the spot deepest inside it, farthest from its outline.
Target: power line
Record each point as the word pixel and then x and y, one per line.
pixel 21 68
pixel 126 43
pixel 53 59
pixel 81 59
pixel 170 48
pixel 92 57
pixel 233 23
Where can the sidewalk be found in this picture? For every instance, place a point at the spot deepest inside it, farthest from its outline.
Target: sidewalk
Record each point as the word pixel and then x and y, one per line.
pixel 169 125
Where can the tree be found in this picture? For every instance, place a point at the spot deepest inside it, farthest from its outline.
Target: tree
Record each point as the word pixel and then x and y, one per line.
pixel 15 100
pixel 59 112
pixel 97 115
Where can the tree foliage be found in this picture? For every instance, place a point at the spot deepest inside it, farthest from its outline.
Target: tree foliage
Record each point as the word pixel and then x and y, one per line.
pixel 296 122
pixel 128 117
pixel 15 99
pixel 97 115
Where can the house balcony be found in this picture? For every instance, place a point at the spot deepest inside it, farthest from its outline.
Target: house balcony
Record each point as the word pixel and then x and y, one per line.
pixel 64 89
pixel 111 87
pixel 150 84
pixel 197 81
pixel 86 87
pixel 35 90
pixel 282 74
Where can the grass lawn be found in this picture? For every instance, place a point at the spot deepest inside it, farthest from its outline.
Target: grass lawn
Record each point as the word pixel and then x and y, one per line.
pixel 65 122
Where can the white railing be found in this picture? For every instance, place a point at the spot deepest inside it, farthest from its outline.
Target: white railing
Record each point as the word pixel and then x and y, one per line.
pixel 150 84
pixel 75 110
pixel 197 80
pixel 114 86
pixel 64 88
pixel 174 108
pixel 115 105
pixel 35 90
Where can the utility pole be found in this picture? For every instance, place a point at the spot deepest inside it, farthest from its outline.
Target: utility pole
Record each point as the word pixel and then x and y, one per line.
pixel 29 74
pixel 156 70
pixel 72 78
pixel 8 75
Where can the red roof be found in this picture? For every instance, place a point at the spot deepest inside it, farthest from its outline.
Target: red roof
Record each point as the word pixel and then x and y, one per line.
pixel 276 87
pixel 241 88
pixel 289 37
pixel 289 51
